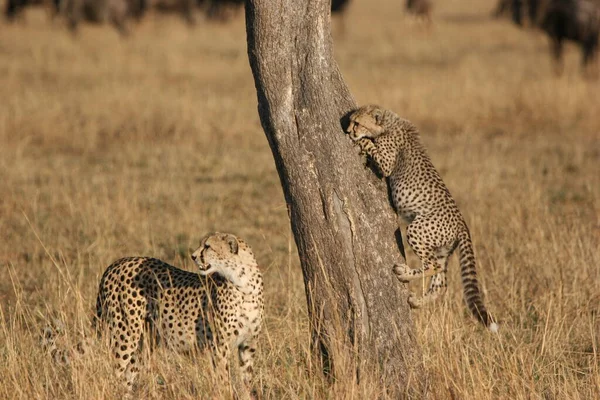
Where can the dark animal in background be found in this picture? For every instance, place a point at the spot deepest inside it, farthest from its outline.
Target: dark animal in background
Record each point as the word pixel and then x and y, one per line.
pixel 117 12
pixel 185 8
pixel 15 7
pixel 578 21
pixel 339 6
pixel 221 9
pixel 574 20
pixel 526 12
pixel 522 12
pixel 419 8
pixel 98 11
pixel 338 13
pixel 502 8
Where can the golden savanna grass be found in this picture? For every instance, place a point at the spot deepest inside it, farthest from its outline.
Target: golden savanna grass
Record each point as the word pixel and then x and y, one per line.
pixel 112 148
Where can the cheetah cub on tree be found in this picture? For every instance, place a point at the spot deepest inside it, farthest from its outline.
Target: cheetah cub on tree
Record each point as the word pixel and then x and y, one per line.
pixel 435 225
pixel 221 306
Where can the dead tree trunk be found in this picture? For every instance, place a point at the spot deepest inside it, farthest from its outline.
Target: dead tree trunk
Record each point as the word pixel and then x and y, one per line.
pixel 343 224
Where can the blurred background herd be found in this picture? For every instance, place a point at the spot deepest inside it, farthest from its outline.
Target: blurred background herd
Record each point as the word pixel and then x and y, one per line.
pixel 560 20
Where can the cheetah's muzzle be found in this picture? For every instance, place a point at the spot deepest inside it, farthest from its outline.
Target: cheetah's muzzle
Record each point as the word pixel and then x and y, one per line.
pixel 200 262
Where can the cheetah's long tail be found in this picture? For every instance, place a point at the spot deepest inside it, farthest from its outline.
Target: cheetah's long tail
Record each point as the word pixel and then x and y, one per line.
pixel 61 355
pixel 470 284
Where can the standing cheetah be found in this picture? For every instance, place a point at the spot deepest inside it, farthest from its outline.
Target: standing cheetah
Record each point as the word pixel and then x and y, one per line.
pixel 221 306
pixel 436 226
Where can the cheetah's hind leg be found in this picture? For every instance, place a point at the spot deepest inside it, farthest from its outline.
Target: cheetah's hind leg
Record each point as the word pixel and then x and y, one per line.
pixel 404 273
pixel 437 287
pixel 432 253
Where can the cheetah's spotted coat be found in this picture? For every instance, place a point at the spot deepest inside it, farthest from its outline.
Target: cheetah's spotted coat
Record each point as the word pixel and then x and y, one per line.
pixel 220 307
pixel 436 226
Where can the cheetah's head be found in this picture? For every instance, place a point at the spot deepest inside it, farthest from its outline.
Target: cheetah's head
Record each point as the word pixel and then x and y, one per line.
pixel 225 254
pixel 366 122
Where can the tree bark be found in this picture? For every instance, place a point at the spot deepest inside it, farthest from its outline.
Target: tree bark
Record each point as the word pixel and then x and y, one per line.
pixel 343 224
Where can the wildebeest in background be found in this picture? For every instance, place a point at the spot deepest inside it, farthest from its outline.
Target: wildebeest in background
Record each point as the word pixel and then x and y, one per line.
pixel 420 9
pixel 221 9
pixel 15 7
pixel 576 20
pixel 523 12
pixel 100 11
pixel 185 8
pixel 339 6
pixel 338 12
pixel 503 7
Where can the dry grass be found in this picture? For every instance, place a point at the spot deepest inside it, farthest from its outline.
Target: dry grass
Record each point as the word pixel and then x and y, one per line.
pixel 111 148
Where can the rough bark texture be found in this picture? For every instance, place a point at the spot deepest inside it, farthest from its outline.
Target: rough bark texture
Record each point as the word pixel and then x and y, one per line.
pixel 343 224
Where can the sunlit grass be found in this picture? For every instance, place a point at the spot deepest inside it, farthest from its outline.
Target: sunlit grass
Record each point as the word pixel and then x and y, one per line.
pixel 111 148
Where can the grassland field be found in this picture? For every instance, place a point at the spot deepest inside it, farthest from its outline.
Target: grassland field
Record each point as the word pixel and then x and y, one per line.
pixel 112 147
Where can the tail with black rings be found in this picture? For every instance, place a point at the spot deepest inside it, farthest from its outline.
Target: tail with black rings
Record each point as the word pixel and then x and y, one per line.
pixel 468 274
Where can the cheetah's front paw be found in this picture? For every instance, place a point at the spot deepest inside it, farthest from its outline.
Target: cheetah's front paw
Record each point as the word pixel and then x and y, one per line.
pixel 364 143
pixel 403 272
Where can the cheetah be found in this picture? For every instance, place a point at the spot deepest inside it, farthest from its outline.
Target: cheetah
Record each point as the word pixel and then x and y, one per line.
pixel 220 307
pixel 420 197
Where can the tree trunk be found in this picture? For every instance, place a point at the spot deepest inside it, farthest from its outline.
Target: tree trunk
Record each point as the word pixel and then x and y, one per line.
pixel 343 224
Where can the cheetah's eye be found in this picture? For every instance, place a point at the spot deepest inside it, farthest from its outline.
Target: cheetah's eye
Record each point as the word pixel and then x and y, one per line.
pixel 206 246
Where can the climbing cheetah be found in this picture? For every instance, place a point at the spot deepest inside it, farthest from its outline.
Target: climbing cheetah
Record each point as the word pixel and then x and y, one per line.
pixel 221 306
pixel 436 226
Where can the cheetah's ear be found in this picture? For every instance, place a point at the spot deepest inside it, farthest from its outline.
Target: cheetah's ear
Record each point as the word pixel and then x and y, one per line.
pixel 233 244
pixel 378 116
